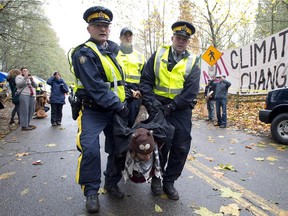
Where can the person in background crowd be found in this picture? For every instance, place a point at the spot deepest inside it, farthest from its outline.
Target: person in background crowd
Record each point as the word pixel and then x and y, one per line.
pixel 57 98
pixel 11 80
pixel 209 96
pixel 221 86
pixel 133 64
pixel 27 86
pixel 100 85
pixel 170 82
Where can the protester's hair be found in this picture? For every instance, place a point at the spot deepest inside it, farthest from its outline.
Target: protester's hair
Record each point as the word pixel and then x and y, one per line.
pixel 55 73
pixel 13 72
pixel 22 68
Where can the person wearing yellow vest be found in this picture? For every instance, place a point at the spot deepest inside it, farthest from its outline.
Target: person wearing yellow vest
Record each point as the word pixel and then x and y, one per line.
pixel 133 64
pixel 170 82
pixel 100 86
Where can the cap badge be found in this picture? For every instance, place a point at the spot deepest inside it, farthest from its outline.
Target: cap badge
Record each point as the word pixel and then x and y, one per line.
pixel 184 28
pixel 101 14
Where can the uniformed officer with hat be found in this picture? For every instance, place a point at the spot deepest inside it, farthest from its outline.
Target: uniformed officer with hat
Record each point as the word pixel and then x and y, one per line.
pixel 101 88
pixel 170 82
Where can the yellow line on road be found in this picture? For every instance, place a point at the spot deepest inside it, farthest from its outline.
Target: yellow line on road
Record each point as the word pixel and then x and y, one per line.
pixel 249 198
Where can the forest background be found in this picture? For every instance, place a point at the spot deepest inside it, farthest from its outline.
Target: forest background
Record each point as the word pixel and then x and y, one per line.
pixel 27 37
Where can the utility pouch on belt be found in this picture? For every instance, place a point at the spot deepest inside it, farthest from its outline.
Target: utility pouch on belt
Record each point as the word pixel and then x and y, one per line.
pixel 76 104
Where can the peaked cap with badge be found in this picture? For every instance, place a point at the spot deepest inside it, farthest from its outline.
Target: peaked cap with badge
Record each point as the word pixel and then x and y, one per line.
pixel 142 141
pixel 183 28
pixel 98 14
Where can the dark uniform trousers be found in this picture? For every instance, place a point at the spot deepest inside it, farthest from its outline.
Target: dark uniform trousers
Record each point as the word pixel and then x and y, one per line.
pixel 91 123
pixel 180 146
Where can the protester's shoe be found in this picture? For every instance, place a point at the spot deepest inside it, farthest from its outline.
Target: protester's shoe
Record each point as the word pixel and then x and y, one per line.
pixel 216 124
pixel 58 123
pixel 115 191
pixel 54 124
pixel 27 128
pixel 92 203
pixel 156 187
pixel 32 126
pixel 222 126
pixel 171 192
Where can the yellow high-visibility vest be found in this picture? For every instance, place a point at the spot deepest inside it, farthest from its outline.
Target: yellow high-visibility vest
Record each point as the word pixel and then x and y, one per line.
pixel 170 83
pixel 133 63
pixel 112 72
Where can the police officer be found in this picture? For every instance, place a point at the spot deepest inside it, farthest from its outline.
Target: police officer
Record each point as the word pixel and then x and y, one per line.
pixel 170 82
pixel 133 64
pixel 100 86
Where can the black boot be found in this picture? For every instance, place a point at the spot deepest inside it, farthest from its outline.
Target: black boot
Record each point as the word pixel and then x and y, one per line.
pixel 115 191
pixel 171 191
pixel 156 186
pixel 92 203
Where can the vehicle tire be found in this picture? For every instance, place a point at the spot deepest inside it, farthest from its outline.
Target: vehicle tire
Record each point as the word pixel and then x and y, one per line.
pixel 279 128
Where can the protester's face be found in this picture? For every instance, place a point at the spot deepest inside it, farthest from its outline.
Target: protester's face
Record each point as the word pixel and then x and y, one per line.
pixel 144 157
pixel 99 31
pixel 57 76
pixel 25 72
pixel 180 43
pixel 126 38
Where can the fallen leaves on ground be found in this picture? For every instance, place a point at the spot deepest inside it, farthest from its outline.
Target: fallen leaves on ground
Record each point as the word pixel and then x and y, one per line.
pixel 245 117
pixel 231 209
pixel 228 193
pixel 206 212
pixel 226 167
pixel 51 145
pixel 158 208
pixel 7 175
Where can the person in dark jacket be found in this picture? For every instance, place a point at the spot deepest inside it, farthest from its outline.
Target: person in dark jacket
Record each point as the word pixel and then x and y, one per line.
pixel 57 98
pixel 100 85
pixel 221 86
pixel 170 82
pixel 209 96
pixel 11 80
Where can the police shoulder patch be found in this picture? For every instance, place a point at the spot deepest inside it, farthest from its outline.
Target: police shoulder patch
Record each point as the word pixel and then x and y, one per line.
pixel 82 59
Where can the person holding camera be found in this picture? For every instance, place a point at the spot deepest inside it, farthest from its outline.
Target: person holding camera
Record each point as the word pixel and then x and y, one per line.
pixel 26 86
pixel 57 98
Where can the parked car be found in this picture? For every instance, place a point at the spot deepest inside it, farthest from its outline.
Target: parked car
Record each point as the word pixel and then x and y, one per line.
pixel 276 114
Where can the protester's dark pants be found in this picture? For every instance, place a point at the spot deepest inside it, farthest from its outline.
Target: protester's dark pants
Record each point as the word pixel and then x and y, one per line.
pixel 91 124
pixel 221 114
pixel 179 149
pixel 56 112
pixel 14 111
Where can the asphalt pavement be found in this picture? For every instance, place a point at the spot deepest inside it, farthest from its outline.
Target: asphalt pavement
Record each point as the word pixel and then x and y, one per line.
pixel 227 171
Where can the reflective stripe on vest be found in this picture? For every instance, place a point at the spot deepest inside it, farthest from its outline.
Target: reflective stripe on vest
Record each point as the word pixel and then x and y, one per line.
pixel 170 83
pixel 132 65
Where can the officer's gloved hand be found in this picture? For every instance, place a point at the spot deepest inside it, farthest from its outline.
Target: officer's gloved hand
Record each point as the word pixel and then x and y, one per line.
pixel 168 108
pixel 124 112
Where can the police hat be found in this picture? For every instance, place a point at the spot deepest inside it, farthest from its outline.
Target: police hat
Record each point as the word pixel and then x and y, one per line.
pixel 183 28
pixel 124 30
pixel 98 14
